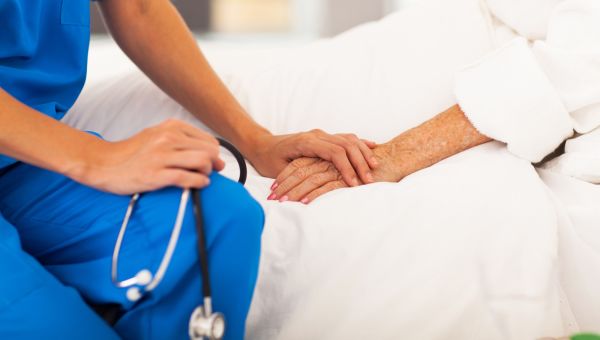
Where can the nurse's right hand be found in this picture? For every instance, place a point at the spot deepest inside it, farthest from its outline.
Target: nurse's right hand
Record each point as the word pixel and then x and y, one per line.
pixel 173 153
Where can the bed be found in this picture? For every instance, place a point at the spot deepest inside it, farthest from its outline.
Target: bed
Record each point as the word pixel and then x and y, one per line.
pixel 479 246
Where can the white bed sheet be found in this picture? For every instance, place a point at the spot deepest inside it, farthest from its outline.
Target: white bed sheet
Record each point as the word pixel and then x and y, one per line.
pixel 467 249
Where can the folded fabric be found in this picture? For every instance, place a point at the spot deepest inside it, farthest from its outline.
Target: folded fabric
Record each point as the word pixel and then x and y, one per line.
pixel 581 159
pixel 532 96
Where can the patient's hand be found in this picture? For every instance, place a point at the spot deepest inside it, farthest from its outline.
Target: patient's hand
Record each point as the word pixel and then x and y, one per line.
pixel 445 135
pixel 305 179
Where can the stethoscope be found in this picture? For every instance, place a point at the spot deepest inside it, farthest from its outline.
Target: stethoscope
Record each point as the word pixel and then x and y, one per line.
pixel 203 322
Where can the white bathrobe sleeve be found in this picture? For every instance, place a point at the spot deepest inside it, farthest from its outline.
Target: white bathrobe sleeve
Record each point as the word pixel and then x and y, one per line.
pixel 533 95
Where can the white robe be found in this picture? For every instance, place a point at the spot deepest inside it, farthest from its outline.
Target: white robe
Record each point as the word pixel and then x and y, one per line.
pixel 532 92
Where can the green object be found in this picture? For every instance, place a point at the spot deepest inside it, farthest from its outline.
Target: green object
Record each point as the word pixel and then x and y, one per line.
pixel 586 336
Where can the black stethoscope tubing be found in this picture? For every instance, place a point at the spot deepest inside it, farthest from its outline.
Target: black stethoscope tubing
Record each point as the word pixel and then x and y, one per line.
pixel 199 216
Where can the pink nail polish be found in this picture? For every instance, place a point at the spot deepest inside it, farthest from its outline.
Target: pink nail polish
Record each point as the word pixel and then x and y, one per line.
pixel 274 186
pixel 305 200
pixel 284 199
pixel 272 197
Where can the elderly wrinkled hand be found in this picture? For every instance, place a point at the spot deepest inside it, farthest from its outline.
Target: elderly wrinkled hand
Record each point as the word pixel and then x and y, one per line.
pixel 352 156
pixel 305 179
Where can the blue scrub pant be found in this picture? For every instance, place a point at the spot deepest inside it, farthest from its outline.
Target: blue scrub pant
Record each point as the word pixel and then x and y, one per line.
pixel 35 305
pixel 71 230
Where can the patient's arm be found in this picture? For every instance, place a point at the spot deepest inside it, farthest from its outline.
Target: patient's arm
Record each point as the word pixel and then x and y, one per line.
pixel 445 135
pixel 155 37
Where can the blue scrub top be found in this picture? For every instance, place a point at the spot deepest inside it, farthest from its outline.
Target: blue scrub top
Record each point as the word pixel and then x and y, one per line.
pixel 43 53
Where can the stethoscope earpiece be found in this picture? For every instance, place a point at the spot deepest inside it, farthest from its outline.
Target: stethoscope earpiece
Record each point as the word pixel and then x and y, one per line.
pixel 143 277
pixel 203 323
pixel 134 294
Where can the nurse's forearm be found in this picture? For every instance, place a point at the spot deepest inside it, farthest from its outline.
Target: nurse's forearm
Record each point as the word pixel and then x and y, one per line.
pixel 156 38
pixel 170 154
pixel 34 138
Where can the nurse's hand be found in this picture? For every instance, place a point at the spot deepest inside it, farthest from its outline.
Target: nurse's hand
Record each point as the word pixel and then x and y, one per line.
pixel 351 156
pixel 173 153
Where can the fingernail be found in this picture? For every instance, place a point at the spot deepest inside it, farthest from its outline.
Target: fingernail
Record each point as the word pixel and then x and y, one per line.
pixel 355 181
pixel 305 200
pixel 272 197
pixel 284 199
pixel 274 186
pixel 370 177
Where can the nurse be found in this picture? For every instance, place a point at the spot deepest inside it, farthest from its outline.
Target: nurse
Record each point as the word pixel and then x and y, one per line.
pixel 63 192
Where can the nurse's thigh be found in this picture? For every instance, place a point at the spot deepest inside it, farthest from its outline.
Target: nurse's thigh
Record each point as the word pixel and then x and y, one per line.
pixel 34 305
pixel 234 224
pixel 71 229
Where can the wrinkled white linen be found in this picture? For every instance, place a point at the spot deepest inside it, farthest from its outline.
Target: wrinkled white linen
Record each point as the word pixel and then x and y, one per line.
pixel 466 249
pixel 581 158
pixel 462 250
pixel 533 97
pixel 577 205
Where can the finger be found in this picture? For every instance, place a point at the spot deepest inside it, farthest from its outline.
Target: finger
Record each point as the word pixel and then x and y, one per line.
pixel 323 190
pixel 369 143
pixel 360 158
pixel 191 131
pixel 185 142
pixel 368 154
pixel 336 155
pixel 310 184
pixel 213 151
pixel 293 166
pixel 297 177
pixel 190 160
pixel 191 144
pixel 183 179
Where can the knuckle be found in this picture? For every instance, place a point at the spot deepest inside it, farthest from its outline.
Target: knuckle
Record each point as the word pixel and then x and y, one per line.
pixel 347 144
pixel 322 166
pixel 340 151
pixel 331 168
pixel 166 137
pixel 300 174
pixel 316 179
pixel 298 163
pixel 306 139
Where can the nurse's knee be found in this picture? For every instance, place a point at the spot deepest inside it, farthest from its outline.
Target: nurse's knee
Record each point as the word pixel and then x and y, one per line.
pixel 242 214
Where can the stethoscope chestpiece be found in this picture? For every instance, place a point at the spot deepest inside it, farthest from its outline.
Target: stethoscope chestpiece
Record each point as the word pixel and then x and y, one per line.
pixel 202 326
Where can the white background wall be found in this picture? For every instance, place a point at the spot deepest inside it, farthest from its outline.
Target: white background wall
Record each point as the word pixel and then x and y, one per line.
pixel 314 18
